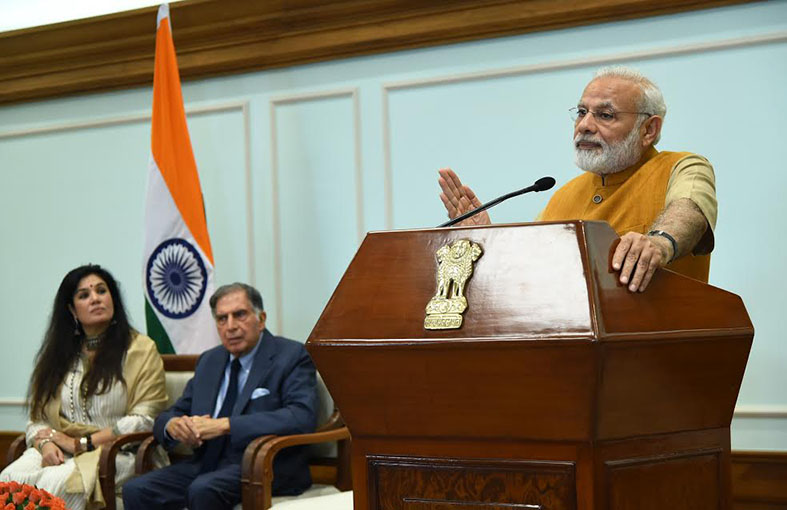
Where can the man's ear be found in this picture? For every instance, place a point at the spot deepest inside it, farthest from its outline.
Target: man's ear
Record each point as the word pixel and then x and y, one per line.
pixel 652 128
pixel 262 316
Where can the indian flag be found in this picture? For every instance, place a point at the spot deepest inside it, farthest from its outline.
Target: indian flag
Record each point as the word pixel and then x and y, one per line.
pixel 178 261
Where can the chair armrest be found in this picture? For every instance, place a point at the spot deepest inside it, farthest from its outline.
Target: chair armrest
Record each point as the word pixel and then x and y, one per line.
pixel 260 484
pixel 144 459
pixel 106 464
pixel 334 421
pixel 247 474
pixel 16 449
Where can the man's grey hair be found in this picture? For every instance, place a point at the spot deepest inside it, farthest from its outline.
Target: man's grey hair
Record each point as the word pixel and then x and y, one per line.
pixel 651 100
pixel 255 298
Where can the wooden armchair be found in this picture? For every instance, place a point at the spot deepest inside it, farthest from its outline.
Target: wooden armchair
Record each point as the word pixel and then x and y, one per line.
pixel 329 473
pixel 16 449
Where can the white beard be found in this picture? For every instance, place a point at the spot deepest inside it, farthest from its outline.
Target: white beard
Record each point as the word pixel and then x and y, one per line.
pixel 612 158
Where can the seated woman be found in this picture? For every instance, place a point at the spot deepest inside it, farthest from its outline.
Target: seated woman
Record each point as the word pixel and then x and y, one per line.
pixel 95 378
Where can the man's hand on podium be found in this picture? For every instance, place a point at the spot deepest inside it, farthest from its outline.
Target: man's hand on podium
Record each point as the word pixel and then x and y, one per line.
pixel 458 199
pixel 677 231
pixel 637 257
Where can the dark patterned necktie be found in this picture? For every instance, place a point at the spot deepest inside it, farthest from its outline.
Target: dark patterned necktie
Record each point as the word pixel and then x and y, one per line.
pixel 215 447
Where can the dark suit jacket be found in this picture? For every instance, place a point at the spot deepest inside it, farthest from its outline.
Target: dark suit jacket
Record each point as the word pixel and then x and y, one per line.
pixel 281 366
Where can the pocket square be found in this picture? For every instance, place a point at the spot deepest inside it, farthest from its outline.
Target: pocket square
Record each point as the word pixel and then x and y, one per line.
pixel 259 392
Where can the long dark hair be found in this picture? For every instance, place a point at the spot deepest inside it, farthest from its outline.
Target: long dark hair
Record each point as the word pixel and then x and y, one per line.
pixel 62 344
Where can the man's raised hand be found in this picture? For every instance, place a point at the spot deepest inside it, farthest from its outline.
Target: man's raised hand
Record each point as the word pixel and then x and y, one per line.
pixel 459 199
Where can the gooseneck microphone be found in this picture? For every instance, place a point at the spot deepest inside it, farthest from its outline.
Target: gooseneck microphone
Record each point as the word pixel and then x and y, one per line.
pixel 542 184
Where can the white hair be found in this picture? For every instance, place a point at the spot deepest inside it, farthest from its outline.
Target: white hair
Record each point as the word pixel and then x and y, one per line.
pixel 651 101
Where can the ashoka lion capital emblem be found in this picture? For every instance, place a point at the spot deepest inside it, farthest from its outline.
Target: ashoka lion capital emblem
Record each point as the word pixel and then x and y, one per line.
pixel 455 266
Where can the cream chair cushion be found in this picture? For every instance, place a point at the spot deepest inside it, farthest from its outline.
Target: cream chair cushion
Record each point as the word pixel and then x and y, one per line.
pixel 176 383
pixel 336 501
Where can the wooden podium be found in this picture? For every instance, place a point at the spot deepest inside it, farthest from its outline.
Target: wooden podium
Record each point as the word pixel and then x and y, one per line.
pixel 561 389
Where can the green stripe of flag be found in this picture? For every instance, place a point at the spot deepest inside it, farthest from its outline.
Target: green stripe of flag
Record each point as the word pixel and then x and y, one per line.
pixel 156 331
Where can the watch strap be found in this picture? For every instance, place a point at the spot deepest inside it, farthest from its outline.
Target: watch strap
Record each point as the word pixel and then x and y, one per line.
pixel 671 239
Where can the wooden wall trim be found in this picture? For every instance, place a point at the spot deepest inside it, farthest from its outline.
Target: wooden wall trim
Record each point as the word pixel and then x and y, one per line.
pixel 217 37
pixel 759 480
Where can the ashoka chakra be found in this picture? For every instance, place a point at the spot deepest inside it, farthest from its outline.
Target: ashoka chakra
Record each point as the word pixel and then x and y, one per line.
pixel 176 278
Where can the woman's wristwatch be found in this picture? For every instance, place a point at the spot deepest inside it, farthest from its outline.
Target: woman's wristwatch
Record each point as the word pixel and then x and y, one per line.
pixel 86 443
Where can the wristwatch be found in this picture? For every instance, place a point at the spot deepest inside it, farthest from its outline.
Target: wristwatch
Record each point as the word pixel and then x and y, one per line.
pixel 668 238
pixel 86 443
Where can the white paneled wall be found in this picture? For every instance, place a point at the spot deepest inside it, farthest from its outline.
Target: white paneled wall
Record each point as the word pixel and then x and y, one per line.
pixel 318 209
pixel 297 164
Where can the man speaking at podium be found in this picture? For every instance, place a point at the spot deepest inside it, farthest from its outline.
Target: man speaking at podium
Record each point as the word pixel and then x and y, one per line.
pixel 662 204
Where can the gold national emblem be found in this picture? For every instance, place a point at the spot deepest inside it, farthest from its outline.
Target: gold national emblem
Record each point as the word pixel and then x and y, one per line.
pixel 455 266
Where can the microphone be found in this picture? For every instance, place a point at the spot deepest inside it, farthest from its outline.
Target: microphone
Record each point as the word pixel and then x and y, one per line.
pixel 542 184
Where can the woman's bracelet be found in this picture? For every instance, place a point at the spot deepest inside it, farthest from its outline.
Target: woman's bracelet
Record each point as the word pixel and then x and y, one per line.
pixel 42 443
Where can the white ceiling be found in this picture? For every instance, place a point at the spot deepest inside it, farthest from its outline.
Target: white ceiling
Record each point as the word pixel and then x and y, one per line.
pixel 16 14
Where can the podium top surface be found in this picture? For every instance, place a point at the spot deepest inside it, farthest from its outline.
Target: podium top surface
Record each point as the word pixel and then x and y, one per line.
pixel 539 281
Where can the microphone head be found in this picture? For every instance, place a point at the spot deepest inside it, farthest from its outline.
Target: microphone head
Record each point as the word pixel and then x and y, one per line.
pixel 544 184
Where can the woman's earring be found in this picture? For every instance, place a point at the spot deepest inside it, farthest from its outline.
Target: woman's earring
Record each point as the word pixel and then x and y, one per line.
pixel 77 332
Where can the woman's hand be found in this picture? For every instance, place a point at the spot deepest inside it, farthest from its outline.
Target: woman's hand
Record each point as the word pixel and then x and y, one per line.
pixel 51 455
pixel 64 442
pixel 45 433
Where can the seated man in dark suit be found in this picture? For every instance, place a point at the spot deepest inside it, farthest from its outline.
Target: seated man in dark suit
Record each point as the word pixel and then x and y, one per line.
pixel 251 385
